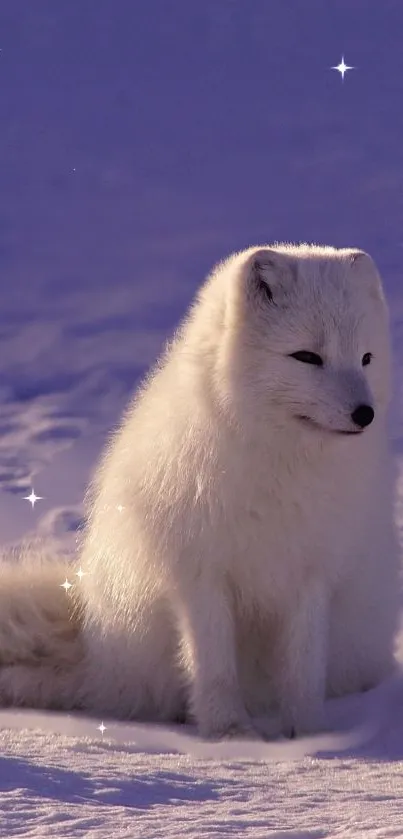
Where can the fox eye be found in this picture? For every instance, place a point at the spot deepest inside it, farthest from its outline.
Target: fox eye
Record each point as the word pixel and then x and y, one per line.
pixel 366 358
pixel 307 357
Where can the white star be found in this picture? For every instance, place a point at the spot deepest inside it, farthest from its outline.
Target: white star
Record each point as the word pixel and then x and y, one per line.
pixel 66 585
pixel 342 68
pixel 102 728
pixel 80 573
pixel 120 508
pixel 33 498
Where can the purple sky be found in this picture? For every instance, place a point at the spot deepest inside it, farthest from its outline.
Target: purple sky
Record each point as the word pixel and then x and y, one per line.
pixel 141 141
pixel 144 137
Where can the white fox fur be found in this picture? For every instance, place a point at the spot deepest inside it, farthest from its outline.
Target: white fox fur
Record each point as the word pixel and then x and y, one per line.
pixel 240 554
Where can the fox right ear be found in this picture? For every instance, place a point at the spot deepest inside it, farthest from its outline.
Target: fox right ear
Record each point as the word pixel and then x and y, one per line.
pixel 260 270
pixel 264 270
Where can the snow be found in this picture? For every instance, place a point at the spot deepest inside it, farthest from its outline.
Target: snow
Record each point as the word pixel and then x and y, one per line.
pixel 59 778
pixel 140 143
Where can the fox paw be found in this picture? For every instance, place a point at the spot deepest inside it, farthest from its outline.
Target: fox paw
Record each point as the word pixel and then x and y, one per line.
pixel 231 730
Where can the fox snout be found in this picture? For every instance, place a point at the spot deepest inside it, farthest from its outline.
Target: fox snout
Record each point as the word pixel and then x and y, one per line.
pixel 363 415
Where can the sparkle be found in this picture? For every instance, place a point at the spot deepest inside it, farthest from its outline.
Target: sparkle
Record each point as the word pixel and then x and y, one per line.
pixel 66 585
pixel 342 68
pixel 102 728
pixel 80 573
pixel 33 498
pixel 120 508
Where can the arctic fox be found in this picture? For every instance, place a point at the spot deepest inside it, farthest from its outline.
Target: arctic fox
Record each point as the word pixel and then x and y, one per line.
pixel 240 561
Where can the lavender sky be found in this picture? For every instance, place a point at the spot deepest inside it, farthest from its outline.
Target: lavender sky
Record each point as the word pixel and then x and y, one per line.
pixel 141 141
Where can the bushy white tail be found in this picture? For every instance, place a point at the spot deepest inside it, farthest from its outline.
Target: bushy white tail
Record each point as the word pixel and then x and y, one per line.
pixel 40 642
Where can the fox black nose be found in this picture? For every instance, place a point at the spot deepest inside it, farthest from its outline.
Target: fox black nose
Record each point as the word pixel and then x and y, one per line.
pixel 363 415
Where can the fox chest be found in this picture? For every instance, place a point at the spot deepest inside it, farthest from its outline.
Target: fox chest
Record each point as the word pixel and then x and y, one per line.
pixel 276 542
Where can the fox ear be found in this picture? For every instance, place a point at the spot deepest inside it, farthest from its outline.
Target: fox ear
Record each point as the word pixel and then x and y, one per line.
pixel 357 255
pixel 265 269
pixel 363 264
pixel 362 259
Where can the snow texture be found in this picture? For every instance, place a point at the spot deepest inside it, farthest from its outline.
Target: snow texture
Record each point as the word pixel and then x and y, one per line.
pixel 140 142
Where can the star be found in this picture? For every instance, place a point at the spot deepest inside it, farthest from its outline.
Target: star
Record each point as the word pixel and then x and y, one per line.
pixel 342 68
pixel 80 573
pixel 66 585
pixel 120 508
pixel 102 728
pixel 33 498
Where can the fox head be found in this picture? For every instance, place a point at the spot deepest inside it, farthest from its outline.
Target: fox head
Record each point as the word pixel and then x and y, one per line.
pixel 305 338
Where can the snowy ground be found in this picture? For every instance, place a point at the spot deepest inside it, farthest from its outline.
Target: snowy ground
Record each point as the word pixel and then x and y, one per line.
pixel 140 142
pixel 59 777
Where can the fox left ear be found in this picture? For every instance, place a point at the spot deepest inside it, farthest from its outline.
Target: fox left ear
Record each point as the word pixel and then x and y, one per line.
pixel 368 269
pixel 357 255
